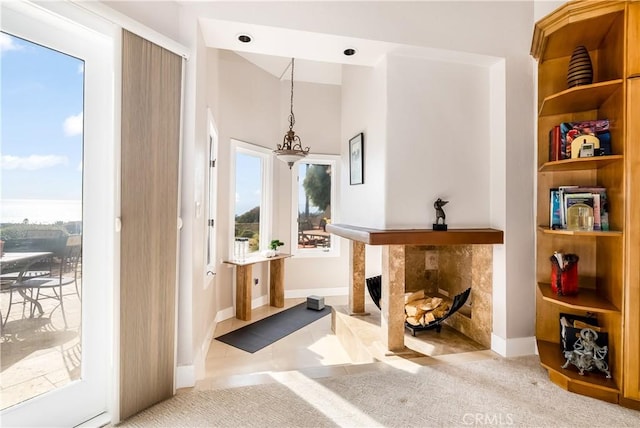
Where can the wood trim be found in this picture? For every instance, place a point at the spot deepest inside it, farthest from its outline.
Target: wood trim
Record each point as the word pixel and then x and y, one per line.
pixel 631 385
pixel 558 25
pixel 151 102
pixel 417 236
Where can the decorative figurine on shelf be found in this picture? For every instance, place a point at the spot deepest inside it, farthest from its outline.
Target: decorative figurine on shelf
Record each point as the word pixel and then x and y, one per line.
pixel 587 354
pixel 438 204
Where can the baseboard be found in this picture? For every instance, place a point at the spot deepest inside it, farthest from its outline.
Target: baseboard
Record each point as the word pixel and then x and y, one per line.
pixel 199 360
pixel 294 294
pixel 513 347
pixel 103 419
pixel 259 301
pixel 185 376
pixel 225 314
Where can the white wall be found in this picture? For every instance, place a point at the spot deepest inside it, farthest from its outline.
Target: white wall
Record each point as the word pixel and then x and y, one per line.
pixel 254 107
pixel 364 109
pixel 248 100
pixel 196 302
pixel 499 29
pixel 438 143
pixel 318 112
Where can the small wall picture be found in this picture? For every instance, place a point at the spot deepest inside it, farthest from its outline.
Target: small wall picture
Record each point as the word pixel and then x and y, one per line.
pixel 356 159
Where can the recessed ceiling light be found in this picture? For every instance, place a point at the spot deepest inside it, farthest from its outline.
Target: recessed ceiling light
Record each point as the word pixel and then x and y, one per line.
pixel 244 38
pixel 349 52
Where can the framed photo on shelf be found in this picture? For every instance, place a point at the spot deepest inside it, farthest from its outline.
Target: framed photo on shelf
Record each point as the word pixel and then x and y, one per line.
pixel 356 159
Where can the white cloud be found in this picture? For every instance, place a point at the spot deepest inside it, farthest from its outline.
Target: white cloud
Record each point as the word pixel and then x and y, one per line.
pixel 80 166
pixel 6 43
pixel 81 68
pixel 31 163
pixel 73 125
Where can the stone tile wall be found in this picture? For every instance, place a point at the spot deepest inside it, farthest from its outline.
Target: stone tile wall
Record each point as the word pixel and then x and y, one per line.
pixel 457 267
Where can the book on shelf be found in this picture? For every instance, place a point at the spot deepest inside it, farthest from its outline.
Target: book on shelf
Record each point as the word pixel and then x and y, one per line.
pixel 555 208
pixel 563 209
pixel 594 196
pixel 574 134
pixel 598 202
pixel 555 149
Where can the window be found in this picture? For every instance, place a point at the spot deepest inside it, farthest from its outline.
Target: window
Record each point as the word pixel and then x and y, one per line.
pixel 314 203
pixel 251 186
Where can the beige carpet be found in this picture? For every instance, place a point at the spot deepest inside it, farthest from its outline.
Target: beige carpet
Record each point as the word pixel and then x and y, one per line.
pixel 491 392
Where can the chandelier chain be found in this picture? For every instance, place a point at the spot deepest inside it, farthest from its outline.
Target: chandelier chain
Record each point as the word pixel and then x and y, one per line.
pixel 292 118
pixel 291 148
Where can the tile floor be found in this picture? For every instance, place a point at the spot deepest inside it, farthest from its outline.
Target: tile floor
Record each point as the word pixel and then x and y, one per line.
pixel 313 351
pixel 38 354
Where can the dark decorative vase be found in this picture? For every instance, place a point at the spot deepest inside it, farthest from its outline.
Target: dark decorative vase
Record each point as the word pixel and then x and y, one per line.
pixel 580 68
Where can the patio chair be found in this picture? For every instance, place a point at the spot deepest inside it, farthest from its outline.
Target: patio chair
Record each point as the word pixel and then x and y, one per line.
pixel 51 287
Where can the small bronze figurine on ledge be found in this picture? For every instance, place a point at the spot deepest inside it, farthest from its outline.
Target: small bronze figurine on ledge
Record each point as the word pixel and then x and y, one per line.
pixel 440 215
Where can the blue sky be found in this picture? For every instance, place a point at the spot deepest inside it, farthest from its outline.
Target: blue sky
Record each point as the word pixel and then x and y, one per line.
pixel 41 134
pixel 248 182
pixel 41 108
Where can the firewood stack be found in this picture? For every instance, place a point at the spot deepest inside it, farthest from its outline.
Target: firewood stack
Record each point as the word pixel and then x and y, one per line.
pixel 420 310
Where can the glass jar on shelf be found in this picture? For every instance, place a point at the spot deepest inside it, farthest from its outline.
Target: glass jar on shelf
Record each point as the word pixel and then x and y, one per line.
pixel 580 217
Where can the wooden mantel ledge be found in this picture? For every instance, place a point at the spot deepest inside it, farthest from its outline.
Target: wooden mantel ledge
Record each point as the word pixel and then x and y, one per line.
pixel 417 236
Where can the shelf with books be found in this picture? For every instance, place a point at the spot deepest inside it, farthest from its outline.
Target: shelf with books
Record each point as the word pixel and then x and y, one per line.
pixel 552 359
pixel 579 164
pixel 579 98
pixel 608 30
pixel 603 233
pixel 586 300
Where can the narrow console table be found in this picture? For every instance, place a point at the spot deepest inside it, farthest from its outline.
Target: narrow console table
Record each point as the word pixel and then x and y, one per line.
pixel 244 283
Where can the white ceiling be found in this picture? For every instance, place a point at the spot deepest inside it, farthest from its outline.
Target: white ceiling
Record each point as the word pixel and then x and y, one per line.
pixel 319 57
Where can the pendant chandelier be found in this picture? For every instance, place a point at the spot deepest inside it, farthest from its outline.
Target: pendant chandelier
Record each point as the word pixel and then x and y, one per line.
pixel 291 149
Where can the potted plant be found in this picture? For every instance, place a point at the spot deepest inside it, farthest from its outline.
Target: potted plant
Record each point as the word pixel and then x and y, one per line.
pixel 275 243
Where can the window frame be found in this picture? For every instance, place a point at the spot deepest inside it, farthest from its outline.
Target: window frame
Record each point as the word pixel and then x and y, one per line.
pixel 211 200
pixel 266 200
pixel 65 28
pixel 334 249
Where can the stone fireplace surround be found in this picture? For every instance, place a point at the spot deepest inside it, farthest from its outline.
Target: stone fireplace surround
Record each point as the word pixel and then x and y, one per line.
pixel 414 259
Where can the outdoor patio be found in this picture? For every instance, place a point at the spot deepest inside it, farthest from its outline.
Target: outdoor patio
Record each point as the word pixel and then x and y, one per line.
pixel 38 354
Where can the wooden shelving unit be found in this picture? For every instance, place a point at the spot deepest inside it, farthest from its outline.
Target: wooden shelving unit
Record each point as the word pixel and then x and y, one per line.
pixel 587 300
pixel 580 163
pixel 579 98
pixel 596 233
pixel 609 259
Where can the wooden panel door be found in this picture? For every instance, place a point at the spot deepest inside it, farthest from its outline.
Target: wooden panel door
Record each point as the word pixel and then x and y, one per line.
pixel 151 98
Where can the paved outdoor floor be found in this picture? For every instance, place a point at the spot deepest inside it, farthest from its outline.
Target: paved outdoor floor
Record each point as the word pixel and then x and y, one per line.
pixel 38 354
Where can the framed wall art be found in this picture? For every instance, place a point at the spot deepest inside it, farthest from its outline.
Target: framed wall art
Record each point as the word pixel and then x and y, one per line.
pixel 356 159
